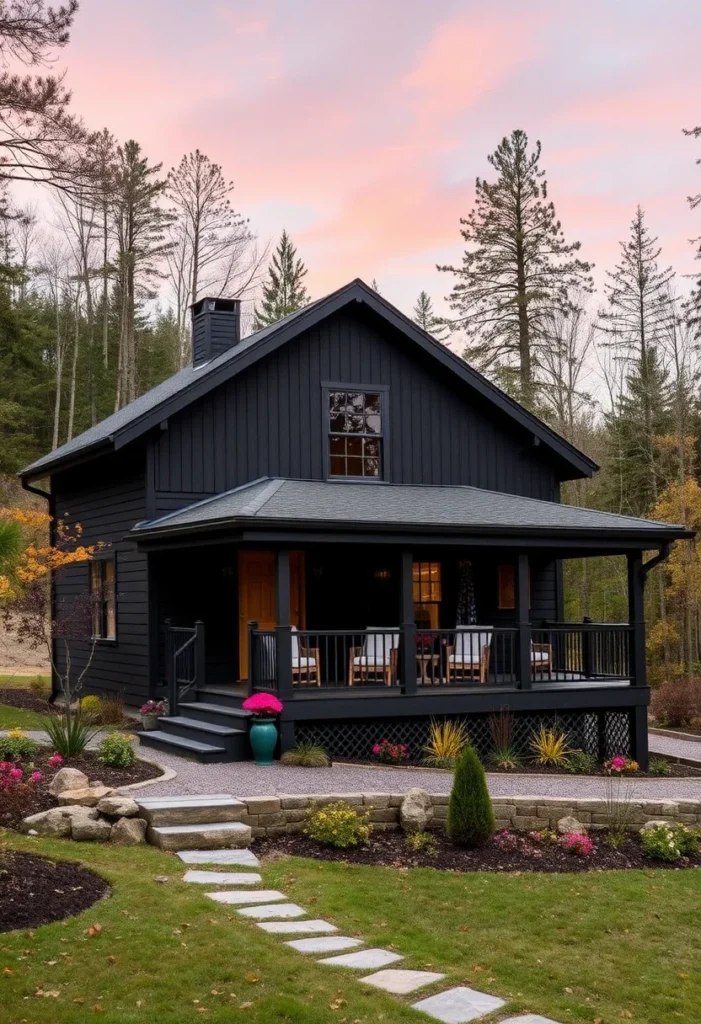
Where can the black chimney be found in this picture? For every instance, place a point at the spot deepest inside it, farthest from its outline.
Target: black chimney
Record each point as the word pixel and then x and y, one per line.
pixel 216 327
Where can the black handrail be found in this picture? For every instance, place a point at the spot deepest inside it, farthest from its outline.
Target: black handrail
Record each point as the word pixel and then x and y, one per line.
pixel 185 662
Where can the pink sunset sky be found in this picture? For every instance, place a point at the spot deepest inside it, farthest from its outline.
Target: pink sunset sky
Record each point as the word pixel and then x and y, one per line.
pixel 360 126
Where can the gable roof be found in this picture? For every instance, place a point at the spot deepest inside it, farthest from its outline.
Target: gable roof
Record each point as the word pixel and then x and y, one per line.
pixel 191 383
pixel 330 504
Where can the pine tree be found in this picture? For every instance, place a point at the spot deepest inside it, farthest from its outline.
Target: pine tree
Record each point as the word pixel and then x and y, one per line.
pixel 470 819
pixel 517 270
pixel 693 307
pixel 427 320
pixel 375 286
pixel 284 291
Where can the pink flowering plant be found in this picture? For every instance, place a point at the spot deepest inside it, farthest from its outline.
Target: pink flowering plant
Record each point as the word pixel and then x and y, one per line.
pixel 154 707
pixel 263 705
pixel 390 753
pixel 55 760
pixel 16 785
pixel 578 845
pixel 621 765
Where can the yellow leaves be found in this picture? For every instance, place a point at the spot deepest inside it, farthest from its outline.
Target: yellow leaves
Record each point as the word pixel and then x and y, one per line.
pixel 93 930
pixel 26 517
pixel 336 1004
pixel 252 978
pixel 52 994
pixel 7 971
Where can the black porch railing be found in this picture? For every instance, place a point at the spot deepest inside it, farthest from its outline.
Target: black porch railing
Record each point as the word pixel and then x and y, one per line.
pixel 292 661
pixel 184 662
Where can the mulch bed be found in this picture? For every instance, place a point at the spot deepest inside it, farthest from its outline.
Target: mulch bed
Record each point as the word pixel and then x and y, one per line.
pixel 390 849
pixel 677 771
pixel 34 890
pixel 39 798
pixel 28 701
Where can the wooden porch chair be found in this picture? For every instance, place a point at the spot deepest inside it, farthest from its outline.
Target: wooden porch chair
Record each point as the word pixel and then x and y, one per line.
pixel 470 654
pixel 306 662
pixel 541 657
pixel 377 657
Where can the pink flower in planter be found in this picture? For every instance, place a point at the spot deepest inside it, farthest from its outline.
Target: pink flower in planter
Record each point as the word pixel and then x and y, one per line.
pixel 262 704
pixel 36 776
pixel 54 760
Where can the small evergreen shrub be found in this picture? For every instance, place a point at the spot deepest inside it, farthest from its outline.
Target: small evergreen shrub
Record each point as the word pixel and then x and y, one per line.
pixel 470 815
pixel 116 751
pixel 306 755
pixel 16 746
pixel 338 824
pixel 660 766
pixel 579 762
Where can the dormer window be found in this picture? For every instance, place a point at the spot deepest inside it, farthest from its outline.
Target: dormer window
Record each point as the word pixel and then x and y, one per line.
pixel 355 434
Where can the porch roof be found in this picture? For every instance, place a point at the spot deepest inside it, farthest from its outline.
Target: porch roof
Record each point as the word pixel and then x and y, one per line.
pixel 332 505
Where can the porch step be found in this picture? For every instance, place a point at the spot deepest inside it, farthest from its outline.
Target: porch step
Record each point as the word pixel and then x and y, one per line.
pixel 207 753
pixel 227 696
pixel 233 740
pixel 212 836
pixel 191 810
pixel 217 714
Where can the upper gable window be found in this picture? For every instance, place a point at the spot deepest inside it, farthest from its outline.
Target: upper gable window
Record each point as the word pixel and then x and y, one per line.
pixel 355 433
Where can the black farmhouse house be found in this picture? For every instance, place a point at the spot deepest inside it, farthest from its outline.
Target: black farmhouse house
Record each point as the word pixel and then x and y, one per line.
pixel 340 510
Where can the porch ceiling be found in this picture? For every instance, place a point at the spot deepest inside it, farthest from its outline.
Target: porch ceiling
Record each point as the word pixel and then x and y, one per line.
pixel 330 506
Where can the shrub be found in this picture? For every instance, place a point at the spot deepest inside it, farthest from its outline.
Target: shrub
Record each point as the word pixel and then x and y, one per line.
pixel 579 845
pixel 338 824
pixel 112 711
pixel 422 842
pixel 39 685
pixel 676 703
pixel 390 753
pixel 660 766
pixel 669 842
pixel 470 816
pixel 579 762
pixel 505 758
pixel 116 751
pixel 15 746
pixel 545 835
pixel 550 747
pixel 619 809
pixel 446 742
pixel 90 707
pixel 504 754
pixel 70 734
pixel 306 755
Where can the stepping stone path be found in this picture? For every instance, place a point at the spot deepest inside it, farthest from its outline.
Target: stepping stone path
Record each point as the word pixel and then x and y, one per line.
pixel 203 830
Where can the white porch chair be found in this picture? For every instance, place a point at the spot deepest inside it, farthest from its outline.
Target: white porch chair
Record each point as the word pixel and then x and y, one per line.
pixel 470 655
pixel 541 657
pixel 306 663
pixel 377 657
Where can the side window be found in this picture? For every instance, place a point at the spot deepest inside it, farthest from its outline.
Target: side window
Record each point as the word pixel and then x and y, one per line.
pixel 104 598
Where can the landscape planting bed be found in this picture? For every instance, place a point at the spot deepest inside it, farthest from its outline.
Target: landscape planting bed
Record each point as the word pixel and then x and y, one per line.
pixel 390 849
pixel 34 890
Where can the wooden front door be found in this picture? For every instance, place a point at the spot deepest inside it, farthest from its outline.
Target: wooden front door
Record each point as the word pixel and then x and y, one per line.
pixel 258 597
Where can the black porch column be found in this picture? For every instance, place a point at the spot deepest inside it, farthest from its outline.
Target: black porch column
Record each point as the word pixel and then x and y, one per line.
pixel 408 637
pixel 523 645
pixel 636 618
pixel 284 629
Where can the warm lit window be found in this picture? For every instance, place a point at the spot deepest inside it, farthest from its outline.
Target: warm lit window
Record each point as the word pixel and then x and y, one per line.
pixel 102 592
pixel 355 434
pixel 427 593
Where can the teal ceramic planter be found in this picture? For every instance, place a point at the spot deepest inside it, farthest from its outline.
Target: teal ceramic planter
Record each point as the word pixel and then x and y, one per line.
pixel 263 737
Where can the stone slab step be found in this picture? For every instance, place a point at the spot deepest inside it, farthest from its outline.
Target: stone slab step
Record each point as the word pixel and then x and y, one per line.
pixel 223 877
pixel 529 1018
pixel 324 944
pixel 272 910
pixel 241 896
pixel 204 836
pixel 191 810
pixel 459 1005
pixel 207 753
pixel 364 960
pixel 401 983
pixel 317 927
pixel 241 858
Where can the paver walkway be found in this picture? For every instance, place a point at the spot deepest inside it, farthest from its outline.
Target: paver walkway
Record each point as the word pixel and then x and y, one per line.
pixel 457 1005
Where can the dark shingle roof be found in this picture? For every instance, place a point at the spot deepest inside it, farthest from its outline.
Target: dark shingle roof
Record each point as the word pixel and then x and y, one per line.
pixel 191 383
pixel 303 503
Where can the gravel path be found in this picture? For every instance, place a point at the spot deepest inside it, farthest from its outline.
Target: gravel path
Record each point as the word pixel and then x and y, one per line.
pixel 243 778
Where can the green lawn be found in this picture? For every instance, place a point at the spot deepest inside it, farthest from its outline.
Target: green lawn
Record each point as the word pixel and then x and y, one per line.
pixel 18 682
pixel 578 948
pixel 19 718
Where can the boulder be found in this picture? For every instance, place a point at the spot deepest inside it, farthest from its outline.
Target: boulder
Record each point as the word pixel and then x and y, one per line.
pixel 79 811
pixel 85 829
pixel 68 778
pixel 48 823
pixel 88 796
pixel 129 832
pixel 118 807
pixel 654 824
pixel 571 826
pixel 416 811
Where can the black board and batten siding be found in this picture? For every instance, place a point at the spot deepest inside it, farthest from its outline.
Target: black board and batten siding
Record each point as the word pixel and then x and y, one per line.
pixel 107 498
pixel 271 421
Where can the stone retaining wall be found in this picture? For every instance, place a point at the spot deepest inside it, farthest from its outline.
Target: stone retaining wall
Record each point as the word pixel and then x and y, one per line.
pixel 273 815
